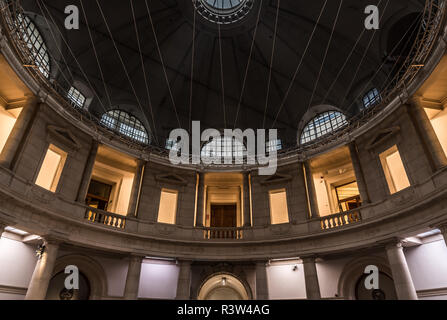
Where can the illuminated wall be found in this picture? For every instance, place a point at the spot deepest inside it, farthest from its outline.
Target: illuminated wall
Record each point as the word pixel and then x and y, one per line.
pixel 8 119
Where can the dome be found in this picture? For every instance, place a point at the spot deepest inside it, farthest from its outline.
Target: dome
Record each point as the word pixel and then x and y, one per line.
pixel 265 69
pixel 223 150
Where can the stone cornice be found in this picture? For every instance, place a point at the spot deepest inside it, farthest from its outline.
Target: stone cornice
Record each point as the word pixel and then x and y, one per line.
pixel 379 225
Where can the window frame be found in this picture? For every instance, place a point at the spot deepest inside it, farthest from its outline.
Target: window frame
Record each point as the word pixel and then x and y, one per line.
pixel 134 129
pixel 35 42
pixel 368 101
pixel 278 191
pixel 238 149
pixel 76 97
pixel 389 179
pixel 55 183
pixel 175 213
pixel 322 125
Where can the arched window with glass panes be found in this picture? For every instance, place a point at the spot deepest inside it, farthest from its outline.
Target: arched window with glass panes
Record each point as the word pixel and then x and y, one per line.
pixel 224 147
pixel 322 125
pixel 76 98
pixel 371 98
pixel 35 43
pixel 125 124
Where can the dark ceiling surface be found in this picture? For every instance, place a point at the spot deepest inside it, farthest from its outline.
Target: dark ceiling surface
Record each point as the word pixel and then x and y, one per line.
pixel 141 55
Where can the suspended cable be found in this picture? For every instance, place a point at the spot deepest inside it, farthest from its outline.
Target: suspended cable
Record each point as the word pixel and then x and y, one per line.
pixel 137 34
pixel 325 56
pixel 272 57
pixel 121 60
pixel 300 63
pixel 96 55
pixel 72 54
pixel 163 64
pixel 248 63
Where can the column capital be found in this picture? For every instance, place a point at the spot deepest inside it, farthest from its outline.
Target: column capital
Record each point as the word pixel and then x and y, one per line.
pixel 394 244
pixel 50 241
pixel 309 258
pixel 415 100
pixel 441 226
pixel 136 257
pixel 184 262
pixel 262 263
pixel 2 228
pixel 141 162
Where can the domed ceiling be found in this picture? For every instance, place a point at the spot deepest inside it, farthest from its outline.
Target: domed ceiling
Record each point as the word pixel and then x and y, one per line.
pixel 228 63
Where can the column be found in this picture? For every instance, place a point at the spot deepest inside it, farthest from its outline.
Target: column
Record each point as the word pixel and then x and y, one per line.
pixel 184 281
pixel 200 200
pixel 312 197
pixel 311 279
pixel 87 174
pixel 262 292
pixel 38 286
pixel 424 128
pixel 401 273
pixel 135 194
pixel 2 228
pixel 247 200
pixel 363 189
pixel 19 133
pixel 443 229
pixel 133 278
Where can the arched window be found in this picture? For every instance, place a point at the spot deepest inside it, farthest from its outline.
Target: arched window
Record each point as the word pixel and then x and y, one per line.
pixel 371 98
pixel 224 147
pixel 323 124
pixel 76 98
pixel 125 124
pixel 34 41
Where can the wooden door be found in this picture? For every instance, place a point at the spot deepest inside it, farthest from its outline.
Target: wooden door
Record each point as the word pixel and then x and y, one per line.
pixel 223 216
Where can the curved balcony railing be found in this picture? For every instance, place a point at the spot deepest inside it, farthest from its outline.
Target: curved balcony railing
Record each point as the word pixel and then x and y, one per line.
pixel 433 17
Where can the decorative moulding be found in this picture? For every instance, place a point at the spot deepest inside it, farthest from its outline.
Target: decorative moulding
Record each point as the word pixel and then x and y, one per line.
pixel 276 178
pixel 63 136
pixel 171 178
pixel 382 136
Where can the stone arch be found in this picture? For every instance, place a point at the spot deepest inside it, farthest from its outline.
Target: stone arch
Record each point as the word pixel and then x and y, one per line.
pixel 91 269
pixel 235 283
pixel 354 270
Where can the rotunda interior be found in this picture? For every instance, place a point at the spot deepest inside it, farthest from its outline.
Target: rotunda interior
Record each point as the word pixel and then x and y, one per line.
pixel 223 150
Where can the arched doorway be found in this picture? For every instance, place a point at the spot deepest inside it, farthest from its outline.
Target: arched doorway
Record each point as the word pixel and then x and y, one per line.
pixel 386 291
pixel 57 290
pixel 92 279
pixel 223 286
pixel 351 284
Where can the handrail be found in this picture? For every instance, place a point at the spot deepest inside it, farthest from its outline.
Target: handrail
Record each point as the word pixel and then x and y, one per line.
pixel 433 20
pixel 223 233
pixel 340 219
pixel 105 218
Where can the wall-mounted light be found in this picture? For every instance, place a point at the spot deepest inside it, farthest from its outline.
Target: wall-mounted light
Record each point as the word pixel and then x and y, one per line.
pixel 224 281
